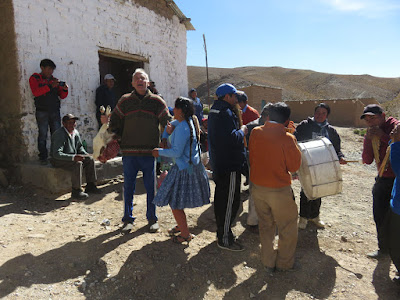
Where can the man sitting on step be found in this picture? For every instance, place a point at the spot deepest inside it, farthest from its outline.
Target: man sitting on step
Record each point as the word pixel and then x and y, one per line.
pixel 67 152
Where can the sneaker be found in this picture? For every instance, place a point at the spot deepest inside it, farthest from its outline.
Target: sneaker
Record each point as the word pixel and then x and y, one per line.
pixel 127 227
pixel 235 246
pixel 378 254
pixel 302 223
pixel 91 188
pixel 153 226
pixel 79 194
pixel 318 222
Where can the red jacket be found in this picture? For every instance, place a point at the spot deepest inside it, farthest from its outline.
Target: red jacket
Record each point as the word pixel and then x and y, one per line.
pixel 249 115
pixel 46 97
pixel 368 152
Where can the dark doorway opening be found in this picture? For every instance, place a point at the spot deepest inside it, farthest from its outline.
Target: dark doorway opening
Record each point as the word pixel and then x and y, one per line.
pixel 121 69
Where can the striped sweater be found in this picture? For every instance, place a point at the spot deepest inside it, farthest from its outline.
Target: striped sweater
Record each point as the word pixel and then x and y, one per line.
pixel 136 120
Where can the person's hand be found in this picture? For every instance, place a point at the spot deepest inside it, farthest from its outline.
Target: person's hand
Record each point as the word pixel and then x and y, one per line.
pixel 155 152
pixel 78 157
pixel 55 83
pixel 170 128
pixel 342 161
pixel 104 119
pixel 244 129
pixel 395 134
pixel 164 143
pixel 373 131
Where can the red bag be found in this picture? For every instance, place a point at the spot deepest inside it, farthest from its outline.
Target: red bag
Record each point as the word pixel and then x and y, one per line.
pixel 109 152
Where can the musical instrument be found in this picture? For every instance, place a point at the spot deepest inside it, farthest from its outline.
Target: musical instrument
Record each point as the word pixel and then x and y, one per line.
pixel 319 174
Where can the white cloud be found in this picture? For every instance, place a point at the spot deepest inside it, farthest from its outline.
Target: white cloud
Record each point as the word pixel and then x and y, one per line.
pixel 368 8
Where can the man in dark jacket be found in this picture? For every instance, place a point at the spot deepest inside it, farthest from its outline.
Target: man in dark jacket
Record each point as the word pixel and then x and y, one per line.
pixel 307 130
pixel 227 156
pixel 48 91
pixel 105 95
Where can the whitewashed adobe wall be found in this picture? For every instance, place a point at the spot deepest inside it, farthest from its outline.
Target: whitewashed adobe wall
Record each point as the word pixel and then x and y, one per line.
pixel 70 33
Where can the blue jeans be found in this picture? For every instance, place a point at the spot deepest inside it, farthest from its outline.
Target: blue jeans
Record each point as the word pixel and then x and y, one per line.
pixel 45 119
pixel 131 165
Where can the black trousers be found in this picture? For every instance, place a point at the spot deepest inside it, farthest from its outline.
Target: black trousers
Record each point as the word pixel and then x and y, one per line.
pixel 226 204
pixel 309 209
pixel 394 239
pixel 381 193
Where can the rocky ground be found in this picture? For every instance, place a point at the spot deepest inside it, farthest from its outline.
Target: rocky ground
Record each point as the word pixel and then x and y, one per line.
pixel 53 247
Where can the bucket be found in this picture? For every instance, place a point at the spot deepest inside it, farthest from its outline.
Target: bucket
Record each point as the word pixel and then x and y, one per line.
pixel 319 173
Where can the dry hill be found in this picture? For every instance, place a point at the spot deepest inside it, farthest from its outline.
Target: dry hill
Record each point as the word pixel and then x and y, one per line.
pixel 298 84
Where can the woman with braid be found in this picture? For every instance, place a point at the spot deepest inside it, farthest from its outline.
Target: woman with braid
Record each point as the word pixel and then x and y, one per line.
pixel 186 185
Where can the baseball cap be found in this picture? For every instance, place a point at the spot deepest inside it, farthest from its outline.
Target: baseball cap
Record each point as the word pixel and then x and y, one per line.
pixel 192 90
pixel 109 76
pixel 68 117
pixel 242 97
pixel 372 109
pixel 225 88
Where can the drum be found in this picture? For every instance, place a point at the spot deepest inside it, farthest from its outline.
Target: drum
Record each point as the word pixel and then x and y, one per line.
pixel 319 173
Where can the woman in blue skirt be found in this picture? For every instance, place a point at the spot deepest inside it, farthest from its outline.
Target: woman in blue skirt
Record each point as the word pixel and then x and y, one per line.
pixel 186 185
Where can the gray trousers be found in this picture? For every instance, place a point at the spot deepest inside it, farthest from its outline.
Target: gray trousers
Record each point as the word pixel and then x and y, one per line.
pixel 76 168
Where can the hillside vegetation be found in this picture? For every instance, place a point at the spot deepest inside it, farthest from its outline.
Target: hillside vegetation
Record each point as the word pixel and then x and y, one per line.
pixel 299 84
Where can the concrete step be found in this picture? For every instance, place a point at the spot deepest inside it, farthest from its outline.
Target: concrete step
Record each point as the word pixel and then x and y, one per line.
pixel 56 180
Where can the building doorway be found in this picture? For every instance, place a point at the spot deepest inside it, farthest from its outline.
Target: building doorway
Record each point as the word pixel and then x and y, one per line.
pixel 122 69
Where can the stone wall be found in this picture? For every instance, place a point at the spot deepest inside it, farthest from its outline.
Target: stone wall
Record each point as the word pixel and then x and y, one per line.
pixel 344 112
pixel 71 33
pixel 258 94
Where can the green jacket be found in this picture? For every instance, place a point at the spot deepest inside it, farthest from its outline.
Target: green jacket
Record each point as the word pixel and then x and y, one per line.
pixel 63 147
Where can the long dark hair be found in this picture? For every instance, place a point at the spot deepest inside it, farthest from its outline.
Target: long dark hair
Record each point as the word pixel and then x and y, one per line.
pixel 186 105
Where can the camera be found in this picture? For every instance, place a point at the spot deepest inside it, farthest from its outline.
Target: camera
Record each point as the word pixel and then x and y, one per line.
pixel 61 83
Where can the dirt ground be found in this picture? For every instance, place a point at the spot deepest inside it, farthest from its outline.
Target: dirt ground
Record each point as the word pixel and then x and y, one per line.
pixel 57 248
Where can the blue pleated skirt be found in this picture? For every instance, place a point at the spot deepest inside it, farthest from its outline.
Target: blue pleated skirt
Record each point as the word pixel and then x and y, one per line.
pixel 183 189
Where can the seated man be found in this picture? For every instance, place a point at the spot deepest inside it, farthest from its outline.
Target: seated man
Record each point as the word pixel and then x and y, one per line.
pixel 67 152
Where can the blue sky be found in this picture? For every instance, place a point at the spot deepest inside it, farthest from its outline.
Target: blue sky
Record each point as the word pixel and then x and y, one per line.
pixel 333 36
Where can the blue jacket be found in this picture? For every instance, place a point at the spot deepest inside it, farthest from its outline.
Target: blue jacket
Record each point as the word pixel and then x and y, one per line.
pixel 225 139
pixel 395 163
pixel 180 145
pixel 198 109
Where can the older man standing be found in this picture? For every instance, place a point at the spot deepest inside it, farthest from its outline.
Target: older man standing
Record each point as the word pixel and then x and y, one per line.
pixel 227 157
pixel 376 142
pixel 136 119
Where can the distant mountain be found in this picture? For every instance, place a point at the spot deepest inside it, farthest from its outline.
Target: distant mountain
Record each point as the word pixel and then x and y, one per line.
pixel 298 84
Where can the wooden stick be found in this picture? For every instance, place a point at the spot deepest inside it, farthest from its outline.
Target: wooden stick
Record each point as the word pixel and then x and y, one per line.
pixel 238 113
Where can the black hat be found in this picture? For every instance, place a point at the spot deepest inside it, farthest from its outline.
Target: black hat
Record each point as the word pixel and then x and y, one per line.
pixel 241 96
pixel 68 117
pixel 371 110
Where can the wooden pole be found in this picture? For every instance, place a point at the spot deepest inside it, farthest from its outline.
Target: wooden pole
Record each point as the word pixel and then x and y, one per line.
pixel 208 82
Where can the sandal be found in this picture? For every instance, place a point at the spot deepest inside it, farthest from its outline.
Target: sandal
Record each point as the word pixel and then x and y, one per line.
pixel 178 239
pixel 173 231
